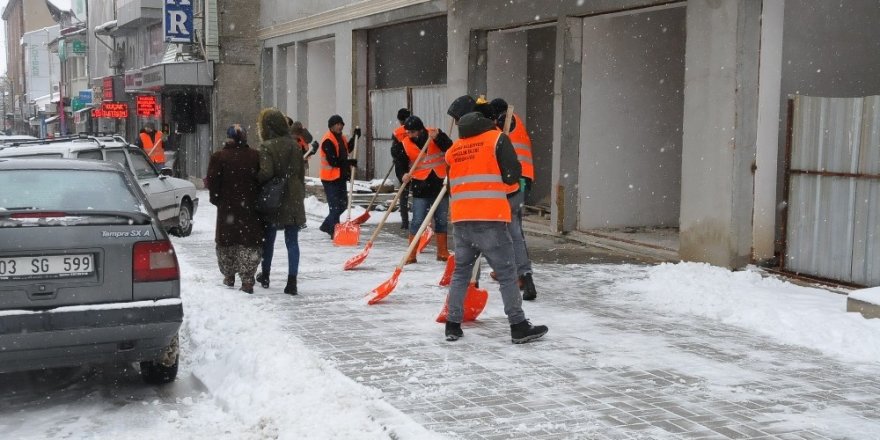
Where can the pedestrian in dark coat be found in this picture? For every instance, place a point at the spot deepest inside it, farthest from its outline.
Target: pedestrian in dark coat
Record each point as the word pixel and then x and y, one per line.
pixel 280 155
pixel 232 182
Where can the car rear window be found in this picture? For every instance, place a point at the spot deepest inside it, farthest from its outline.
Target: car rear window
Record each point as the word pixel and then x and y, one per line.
pixel 66 190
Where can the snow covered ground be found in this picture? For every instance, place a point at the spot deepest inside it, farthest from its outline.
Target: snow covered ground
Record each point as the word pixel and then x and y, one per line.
pixel 246 373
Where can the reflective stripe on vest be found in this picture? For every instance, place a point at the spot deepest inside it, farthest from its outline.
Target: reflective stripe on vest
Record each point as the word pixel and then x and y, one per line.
pixel 477 192
pixel 432 160
pixel 522 144
pixel 156 151
pixel 329 172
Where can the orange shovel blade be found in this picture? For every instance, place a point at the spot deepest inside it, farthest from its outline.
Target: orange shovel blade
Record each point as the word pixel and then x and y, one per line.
pixel 474 302
pixel 426 238
pixel 385 288
pixel 356 260
pixel 445 312
pixel 447 273
pixel 346 234
pixel 359 220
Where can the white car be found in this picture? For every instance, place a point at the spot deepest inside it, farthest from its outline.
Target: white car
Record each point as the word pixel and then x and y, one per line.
pixel 173 199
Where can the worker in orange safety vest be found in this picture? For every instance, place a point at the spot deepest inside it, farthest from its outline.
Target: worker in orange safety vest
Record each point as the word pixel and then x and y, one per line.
pixel 482 164
pixel 426 181
pixel 150 140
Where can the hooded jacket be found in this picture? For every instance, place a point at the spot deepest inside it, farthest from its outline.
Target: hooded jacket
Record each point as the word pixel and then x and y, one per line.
pixel 280 156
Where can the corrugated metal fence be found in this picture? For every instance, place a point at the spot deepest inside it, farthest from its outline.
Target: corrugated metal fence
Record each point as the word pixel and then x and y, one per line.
pixel 426 102
pixel 833 189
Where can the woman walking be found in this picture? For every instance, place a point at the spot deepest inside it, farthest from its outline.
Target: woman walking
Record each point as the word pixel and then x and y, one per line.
pixel 281 156
pixel 232 182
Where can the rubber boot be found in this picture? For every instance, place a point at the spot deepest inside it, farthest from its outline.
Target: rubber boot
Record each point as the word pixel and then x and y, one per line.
pixel 442 246
pixel 412 255
pixel 290 288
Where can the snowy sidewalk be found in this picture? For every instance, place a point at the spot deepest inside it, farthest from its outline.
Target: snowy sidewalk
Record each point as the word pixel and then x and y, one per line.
pixel 616 364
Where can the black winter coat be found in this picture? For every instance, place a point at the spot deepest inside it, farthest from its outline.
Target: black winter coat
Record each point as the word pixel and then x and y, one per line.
pixel 232 183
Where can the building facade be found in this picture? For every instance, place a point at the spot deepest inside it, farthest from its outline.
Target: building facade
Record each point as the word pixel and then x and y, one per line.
pixel 22 17
pixel 189 89
pixel 644 115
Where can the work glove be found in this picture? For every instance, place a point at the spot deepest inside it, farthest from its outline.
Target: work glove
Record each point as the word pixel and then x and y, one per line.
pixel 352 162
pixel 357 132
pixel 314 148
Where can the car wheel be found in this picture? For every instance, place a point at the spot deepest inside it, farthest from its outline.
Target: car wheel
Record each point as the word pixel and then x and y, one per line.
pixel 184 220
pixel 163 369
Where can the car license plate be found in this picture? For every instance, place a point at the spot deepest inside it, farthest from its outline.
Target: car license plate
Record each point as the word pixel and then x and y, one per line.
pixel 47 266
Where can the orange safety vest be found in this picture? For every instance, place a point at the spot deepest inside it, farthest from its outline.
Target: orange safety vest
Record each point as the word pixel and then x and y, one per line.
pixel 477 192
pixel 522 144
pixel 330 172
pixel 156 150
pixel 432 160
pixel 400 133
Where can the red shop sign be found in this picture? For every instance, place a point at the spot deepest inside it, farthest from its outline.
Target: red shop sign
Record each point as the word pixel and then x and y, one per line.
pixel 147 105
pixel 111 110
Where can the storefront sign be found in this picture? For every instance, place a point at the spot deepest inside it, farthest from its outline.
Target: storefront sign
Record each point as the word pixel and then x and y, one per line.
pixel 111 110
pixel 178 18
pixel 134 80
pixel 147 105
pixel 108 88
pixel 85 96
pixel 79 47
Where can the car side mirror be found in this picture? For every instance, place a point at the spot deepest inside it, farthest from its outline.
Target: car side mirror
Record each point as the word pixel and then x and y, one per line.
pixel 166 172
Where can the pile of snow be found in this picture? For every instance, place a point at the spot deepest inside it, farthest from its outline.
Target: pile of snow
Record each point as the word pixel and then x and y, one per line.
pixel 786 312
pixel 265 377
pixel 870 296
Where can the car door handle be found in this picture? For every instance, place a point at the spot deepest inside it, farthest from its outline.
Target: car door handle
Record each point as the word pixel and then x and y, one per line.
pixel 145 184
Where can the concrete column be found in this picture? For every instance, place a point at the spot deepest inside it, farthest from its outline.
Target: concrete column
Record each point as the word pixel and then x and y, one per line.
pixel 280 76
pixel 720 131
pixel 345 77
pixel 458 48
pixel 566 124
pixel 301 81
pixel 768 130
pixel 268 68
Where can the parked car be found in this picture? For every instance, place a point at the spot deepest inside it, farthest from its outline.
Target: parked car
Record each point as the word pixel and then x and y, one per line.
pixel 87 273
pixel 173 199
pixel 7 138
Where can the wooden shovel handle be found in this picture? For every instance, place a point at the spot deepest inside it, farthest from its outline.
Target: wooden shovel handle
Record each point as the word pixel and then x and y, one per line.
pixel 373 200
pixel 418 236
pixel 351 179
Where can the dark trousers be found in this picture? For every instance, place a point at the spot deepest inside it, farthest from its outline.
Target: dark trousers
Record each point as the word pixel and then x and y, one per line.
pixel 337 198
pixel 404 206
pixel 291 242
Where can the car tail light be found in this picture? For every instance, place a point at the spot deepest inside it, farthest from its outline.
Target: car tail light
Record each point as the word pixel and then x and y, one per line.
pixel 154 261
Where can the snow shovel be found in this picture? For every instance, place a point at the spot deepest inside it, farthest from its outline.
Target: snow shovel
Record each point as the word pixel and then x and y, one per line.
pixel 366 215
pixel 348 233
pixel 385 288
pixel 356 260
pixel 474 299
pixel 447 273
pixel 426 238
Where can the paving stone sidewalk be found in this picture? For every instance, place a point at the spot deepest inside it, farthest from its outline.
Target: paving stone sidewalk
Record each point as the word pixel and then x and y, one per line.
pixel 619 371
